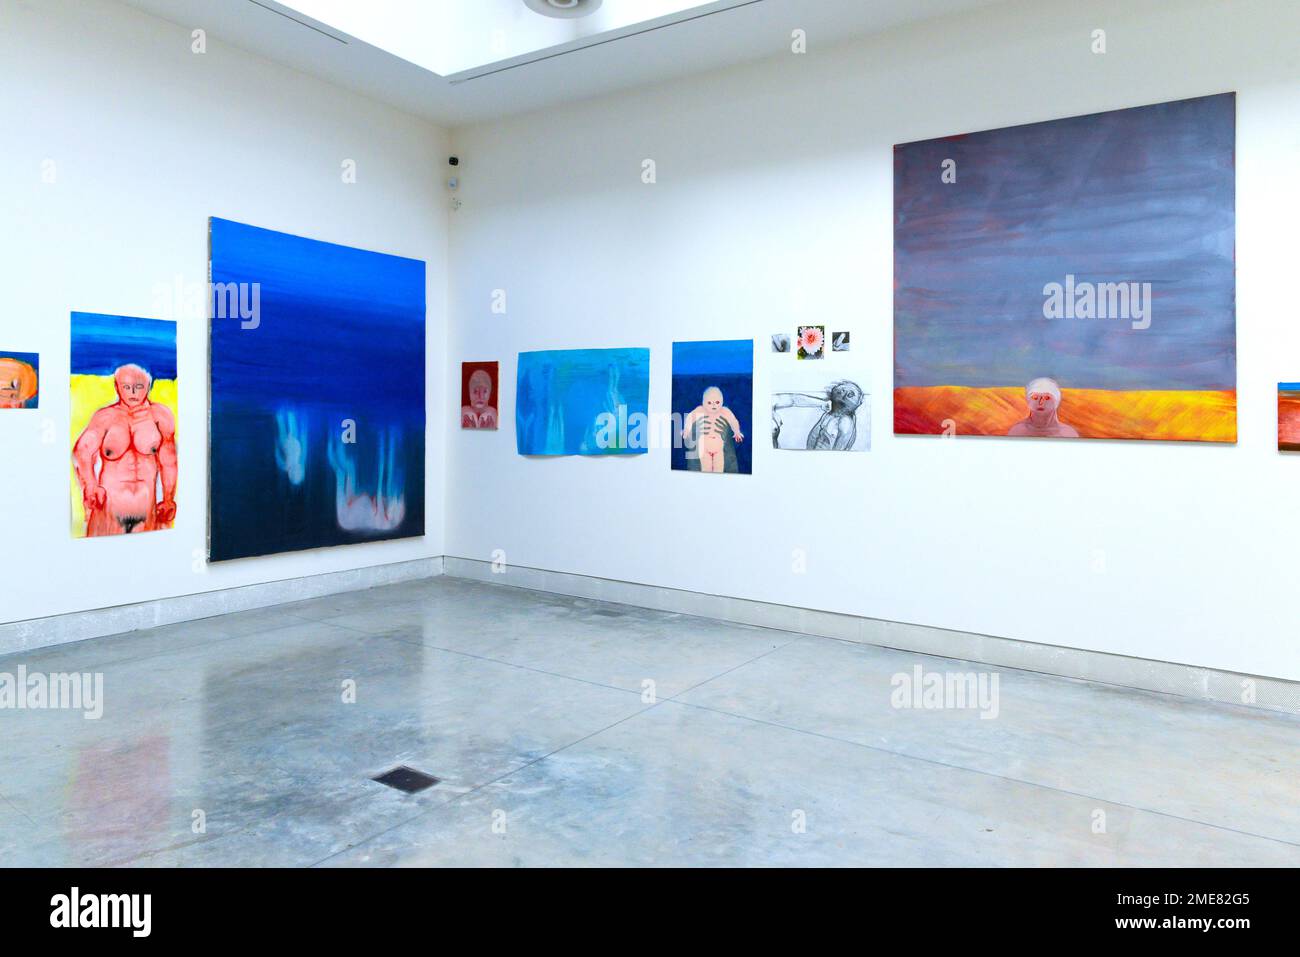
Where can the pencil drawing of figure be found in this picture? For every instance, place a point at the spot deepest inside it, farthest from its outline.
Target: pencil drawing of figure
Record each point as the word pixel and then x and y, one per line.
pixel 834 429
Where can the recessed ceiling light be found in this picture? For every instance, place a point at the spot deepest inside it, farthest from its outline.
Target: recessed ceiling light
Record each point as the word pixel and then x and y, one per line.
pixel 563 9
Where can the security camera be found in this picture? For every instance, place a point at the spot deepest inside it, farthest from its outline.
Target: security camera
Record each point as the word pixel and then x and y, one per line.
pixel 453 160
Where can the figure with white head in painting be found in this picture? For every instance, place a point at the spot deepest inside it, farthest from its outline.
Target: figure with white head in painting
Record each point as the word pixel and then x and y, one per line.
pixel 125 461
pixel 1043 397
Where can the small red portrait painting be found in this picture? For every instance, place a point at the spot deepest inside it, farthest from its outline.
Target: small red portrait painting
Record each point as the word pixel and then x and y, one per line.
pixel 478 395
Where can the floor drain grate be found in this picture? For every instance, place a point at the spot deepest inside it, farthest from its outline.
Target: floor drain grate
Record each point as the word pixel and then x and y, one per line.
pixel 407 779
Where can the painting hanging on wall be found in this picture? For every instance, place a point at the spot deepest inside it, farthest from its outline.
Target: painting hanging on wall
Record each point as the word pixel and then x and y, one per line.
pixel 819 411
pixel 713 402
pixel 1288 417
pixel 20 378
pixel 478 395
pixel 1073 278
pixel 317 413
pixel 124 414
pixel 582 402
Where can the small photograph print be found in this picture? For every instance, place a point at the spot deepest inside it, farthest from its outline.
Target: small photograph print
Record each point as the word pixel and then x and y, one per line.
pixel 781 342
pixel 839 342
pixel 812 342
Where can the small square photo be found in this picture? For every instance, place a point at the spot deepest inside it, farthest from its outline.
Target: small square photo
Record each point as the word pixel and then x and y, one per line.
pixel 812 342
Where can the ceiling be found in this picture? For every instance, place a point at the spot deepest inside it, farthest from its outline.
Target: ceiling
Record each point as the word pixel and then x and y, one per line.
pixel 528 62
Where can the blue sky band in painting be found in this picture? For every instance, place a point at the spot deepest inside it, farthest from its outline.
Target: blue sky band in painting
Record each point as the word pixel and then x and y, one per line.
pixel 103 343
pixel 1288 387
pixel 721 356
pixel 317 417
pixel 1144 195
pixel 327 309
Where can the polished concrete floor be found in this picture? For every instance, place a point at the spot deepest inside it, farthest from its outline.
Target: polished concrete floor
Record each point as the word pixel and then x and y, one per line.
pixel 570 732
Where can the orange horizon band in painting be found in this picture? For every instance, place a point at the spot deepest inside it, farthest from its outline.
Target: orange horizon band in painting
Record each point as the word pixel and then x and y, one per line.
pixel 1169 415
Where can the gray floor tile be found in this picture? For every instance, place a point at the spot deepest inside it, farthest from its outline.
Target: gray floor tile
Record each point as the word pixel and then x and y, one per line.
pixel 1211 763
pixel 531 704
pixel 683 786
pixel 272 747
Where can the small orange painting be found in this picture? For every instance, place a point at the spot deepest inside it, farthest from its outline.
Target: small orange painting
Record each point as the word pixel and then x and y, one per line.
pixel 1288 416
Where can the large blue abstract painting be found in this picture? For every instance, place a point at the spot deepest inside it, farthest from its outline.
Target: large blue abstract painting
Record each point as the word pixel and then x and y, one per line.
pixel 713 400
pixel 317 404
pixel 582 402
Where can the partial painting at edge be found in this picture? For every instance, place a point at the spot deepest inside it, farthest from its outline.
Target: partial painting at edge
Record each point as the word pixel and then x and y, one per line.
pixel 1288 416
pixel 318 398
pixel 20 376
pixel 123 390
pixel 582 402
pixel 1071 279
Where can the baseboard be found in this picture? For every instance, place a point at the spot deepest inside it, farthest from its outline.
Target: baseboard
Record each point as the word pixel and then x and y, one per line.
pixel 1205 684
pixel 78 626
pixel 1190 681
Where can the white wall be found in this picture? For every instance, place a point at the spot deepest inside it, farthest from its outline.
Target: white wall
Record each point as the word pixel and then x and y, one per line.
pixel 148 140
pixel 774 206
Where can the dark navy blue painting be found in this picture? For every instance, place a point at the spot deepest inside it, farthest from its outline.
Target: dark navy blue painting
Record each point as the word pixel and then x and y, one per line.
pixel 713 400
pixel 317 395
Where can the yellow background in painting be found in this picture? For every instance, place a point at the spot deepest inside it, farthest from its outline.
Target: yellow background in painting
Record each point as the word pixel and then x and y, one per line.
pixel 90 393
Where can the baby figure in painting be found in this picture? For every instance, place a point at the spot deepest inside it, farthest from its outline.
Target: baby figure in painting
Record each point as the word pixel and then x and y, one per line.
pixel 480 413
pixel 1044 398
pixel 710 416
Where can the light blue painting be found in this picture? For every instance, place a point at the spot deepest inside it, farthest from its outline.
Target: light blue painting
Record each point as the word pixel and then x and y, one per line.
pixel 582 402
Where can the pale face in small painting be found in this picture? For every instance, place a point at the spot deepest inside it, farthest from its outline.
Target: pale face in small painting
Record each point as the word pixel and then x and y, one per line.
pixel 480 390
pixel 712 401
pixel 132 385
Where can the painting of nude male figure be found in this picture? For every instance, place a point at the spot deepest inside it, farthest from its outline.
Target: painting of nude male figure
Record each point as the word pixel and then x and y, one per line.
pixel 124 463
pixel 818 411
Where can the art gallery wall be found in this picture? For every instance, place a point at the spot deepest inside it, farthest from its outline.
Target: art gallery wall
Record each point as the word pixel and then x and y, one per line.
pixel 771 207
pixel 145 140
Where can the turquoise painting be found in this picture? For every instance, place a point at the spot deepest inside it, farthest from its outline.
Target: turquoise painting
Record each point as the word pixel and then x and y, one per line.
pixel 582 402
